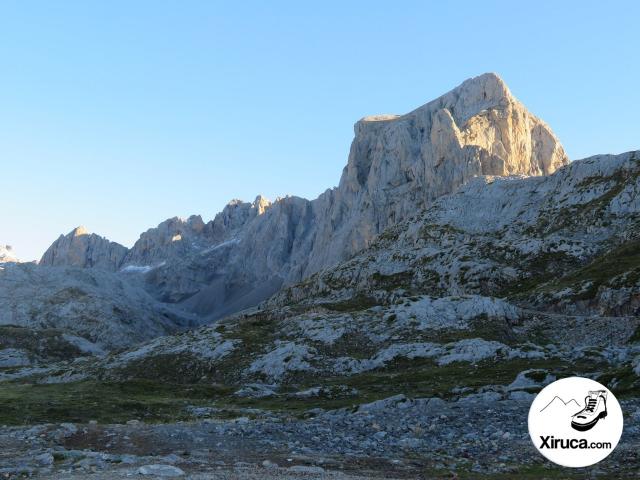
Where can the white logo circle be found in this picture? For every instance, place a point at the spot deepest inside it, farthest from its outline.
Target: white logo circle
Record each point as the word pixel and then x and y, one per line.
pixel 575 422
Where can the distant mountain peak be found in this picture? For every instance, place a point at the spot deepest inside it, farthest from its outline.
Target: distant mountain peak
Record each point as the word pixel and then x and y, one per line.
pixel 80 248
pixel 7 254
pixel 79 231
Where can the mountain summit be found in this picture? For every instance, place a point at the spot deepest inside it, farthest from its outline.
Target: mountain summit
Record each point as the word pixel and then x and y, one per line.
pixel 398 165
pixel 79 248
pixel 6 254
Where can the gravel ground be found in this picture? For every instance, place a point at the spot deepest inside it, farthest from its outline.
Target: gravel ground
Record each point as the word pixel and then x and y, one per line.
pixel 481 436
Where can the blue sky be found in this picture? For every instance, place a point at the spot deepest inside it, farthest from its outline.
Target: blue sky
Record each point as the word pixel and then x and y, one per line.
pixel 117 115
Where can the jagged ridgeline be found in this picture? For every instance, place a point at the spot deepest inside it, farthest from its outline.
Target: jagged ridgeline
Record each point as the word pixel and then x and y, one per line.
pixel 461 254
pixel 397 167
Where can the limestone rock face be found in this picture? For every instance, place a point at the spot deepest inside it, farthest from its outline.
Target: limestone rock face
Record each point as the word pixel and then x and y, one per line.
pixel 398 166
pixel 79 248
pixel 236 215
pixel 502 236
pixel 6 254
pixel 173 237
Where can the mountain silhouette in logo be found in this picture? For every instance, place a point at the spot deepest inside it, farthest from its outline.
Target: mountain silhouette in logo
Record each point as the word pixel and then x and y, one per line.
pixel 559 403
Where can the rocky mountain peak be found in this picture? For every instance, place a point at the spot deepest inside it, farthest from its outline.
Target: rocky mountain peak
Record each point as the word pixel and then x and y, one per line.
pixel 470 97
pixel 6 254
pixel 79 231
pixel 80 248
pixel 398 165
pixel 261 204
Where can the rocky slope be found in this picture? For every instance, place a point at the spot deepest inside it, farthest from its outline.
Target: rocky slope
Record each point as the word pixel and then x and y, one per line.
pixel 398 165
pixel 529 238
pixel 102 308
pixel 509 269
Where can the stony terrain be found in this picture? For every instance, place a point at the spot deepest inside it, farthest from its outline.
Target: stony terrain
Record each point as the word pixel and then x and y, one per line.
pixel 477 436
pixel 413 352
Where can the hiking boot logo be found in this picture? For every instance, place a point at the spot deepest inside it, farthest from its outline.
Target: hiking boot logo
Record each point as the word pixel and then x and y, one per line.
pixel 595 409
pixel 563 428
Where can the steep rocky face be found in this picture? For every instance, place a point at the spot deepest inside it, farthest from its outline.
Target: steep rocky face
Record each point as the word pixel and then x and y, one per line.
pixel 235 216
pixel 565 243
pixel 173 237
pixel 6 254
pixel 398 165
pixel 80 248
pixel 176 238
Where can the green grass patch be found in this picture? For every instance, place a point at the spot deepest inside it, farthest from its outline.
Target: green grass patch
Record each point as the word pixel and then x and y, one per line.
pixel 622 381
pixel 355 304
pixel 46 343
pixel 622 259
pixel 393 281
pixel 418 378
pixel 105 402
pixel 617 268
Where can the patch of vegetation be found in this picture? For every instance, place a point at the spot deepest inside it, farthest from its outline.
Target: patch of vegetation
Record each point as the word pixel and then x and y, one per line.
pixel 483 326
pixel 66 295
pixel 355 345
pixel 542 268
pixel 635 337
pixel 161 400
pixel 48 344
pixel 621 380
pixel 417 378
pixel 589 213
pixel 622 259
pixel 356 303
pixel 183 368
pixel 393 281
pixel 389 235
pixel 105 402
pixel 616 268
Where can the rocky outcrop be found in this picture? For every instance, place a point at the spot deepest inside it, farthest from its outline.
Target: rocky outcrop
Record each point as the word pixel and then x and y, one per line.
pixel 79 248
pixel 174 237
pixel 565 243
pixel 398 165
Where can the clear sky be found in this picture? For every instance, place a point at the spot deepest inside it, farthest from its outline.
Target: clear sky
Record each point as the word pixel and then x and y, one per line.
pixel 116 115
